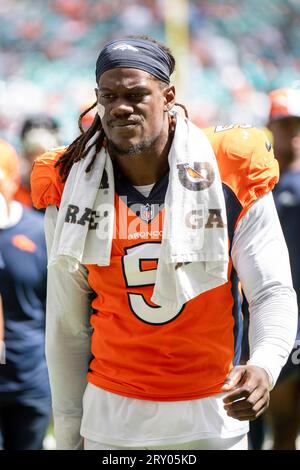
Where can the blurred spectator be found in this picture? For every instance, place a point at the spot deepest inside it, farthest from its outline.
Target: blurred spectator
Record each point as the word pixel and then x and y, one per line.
pixel 38 134
pixel 284 122
pixel 284 129
pixel 24 386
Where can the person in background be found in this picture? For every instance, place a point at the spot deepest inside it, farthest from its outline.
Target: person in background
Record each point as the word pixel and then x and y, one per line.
pixel 25 403
pixel 284 123
pixel 38 133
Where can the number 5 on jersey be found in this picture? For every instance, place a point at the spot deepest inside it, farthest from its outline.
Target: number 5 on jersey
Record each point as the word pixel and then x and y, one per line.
pixel 139 268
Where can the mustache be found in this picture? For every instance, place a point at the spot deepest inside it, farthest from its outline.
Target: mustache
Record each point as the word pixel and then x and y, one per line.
pixel 123 122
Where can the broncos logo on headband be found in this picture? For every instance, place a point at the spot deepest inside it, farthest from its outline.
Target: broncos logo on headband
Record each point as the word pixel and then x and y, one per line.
pixel 196 178
pixel 124 47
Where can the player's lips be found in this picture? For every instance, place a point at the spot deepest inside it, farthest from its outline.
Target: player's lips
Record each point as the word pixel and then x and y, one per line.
pixel 123 124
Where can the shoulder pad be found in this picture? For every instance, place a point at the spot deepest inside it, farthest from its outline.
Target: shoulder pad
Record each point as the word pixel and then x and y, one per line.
pixel 46 184
pixel 246 161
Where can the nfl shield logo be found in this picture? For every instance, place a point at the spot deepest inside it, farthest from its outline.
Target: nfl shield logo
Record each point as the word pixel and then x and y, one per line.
pixel 147 212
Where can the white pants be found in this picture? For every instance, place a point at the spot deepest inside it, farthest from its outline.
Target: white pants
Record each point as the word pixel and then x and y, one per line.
pixel 233 443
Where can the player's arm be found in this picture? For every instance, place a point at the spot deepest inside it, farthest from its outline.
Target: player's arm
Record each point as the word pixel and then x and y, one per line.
pixel 67 344
pixel 260 256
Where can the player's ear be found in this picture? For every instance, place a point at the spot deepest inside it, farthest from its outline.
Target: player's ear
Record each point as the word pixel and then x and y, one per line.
pixel 169 97
pixel 96 93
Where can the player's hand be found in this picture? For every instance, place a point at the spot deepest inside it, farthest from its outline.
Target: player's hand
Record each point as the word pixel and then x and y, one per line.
pixel 248 396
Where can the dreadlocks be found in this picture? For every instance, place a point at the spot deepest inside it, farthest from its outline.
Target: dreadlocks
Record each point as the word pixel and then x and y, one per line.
pixel 79 148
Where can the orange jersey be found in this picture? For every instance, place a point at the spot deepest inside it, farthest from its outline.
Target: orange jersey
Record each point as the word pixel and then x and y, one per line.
pixel 139 349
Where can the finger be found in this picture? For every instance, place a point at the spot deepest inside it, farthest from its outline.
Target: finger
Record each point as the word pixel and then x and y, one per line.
pixel 261 405
pixel 260 412
pixel 250 414
pixel 246 403
pixel 233 378
pixel 241 392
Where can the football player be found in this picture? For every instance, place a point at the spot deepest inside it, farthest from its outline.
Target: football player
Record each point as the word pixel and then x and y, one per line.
pixel 161 376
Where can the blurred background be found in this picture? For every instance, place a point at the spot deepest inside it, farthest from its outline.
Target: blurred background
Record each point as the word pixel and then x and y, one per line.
pixel 229 54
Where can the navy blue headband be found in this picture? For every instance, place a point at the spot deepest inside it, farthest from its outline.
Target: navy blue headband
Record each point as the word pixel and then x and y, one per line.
pixel 136 54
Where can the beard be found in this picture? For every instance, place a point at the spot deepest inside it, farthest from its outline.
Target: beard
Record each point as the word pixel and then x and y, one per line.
pixel 133 150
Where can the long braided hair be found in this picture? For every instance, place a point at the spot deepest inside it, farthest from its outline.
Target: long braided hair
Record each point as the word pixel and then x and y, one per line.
pixel 79 149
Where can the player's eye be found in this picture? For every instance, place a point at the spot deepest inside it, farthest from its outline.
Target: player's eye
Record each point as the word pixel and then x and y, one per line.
pixel 136 96
pixel 107 96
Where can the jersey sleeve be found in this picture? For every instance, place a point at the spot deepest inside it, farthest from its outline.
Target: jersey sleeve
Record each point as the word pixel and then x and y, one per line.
pixel 46 183
pixel 246 162
pixel 67 343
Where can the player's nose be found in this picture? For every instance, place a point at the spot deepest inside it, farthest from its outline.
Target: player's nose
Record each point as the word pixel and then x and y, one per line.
pixel 121 108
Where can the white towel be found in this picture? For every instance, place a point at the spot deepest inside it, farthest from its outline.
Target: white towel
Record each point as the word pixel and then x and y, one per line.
pixel 193 259
pixel 76 243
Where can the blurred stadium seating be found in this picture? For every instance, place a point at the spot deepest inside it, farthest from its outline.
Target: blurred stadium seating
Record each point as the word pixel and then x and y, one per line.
pixel 239 50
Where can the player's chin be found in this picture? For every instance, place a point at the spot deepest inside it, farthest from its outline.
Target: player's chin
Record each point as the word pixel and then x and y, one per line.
pixel 128 142
pixel 130 147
